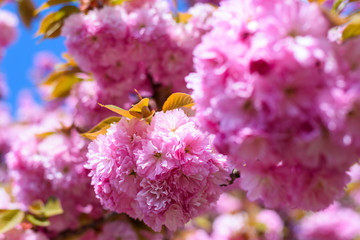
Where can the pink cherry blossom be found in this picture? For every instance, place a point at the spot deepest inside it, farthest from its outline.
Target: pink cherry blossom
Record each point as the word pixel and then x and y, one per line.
pixel 335 223
pixel 53 166
pixel 164 173
pixel 278 96
pixel 8 26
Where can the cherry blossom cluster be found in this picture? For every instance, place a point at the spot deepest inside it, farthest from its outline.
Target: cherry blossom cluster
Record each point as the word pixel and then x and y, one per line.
pixel 234 218
pixel 8 26
pixel 336 222
pixel 44 164
pixel 8 33
pixel 138 45
pixel 282 100
pixel 164 173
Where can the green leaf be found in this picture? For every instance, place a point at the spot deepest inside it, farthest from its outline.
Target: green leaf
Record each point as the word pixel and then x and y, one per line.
pixel 178 100
pixel 10 219
pixel 63 86
pixel 63 78
pixel 26 10
pixel 118 110
pixel 50 3
pixel 352 30
pixel 57 75
pixel 38 221
pixel 100 128
pixel 53 207
pixel 37 208
pixel 50 26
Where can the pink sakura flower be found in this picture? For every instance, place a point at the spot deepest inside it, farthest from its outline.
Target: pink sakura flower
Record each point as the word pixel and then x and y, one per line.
pixel 334 223
pixel 44 63
pixel 230 226
pixel 53 166
pixel 270 81
pixel 23 234
pixel 273 224
pixel 133 46
pixel 8 26
pixel 137 169
pixel 3 87
pixel 117 229
pixel 228 204
pixel 6 201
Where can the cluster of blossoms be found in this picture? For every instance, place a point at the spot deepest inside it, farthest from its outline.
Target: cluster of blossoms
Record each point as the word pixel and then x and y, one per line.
pixel 3 87
pixel 137 45
pixel 282 100
pixel 5 120
pixel 235 218
pixel 8 26
pixel 272 92
pixel 23 234
pixel 336 223
pixel 8 33
pixel 44 63
pixel 51 164
pixel 164 173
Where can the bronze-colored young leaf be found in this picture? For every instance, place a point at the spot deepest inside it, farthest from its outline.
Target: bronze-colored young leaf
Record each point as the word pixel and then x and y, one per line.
pixel 183 17
pixel 10 219
pixel 53 207
pixel 92 136
pixel 118 110
pixel 139 106
pixel 38 221
pixel 63 86
pixel 178 100
pixel 44 135
pixel 352 30
pixel 117 2
pixel 63 71
pixel 26 10
pixel 50 26
pixel 50 3
pixel 145 113
pixel 100 128
pixel 37 208
pixel 70 61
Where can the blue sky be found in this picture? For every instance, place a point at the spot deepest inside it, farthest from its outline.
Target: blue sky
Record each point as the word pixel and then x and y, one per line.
pixel 18 58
